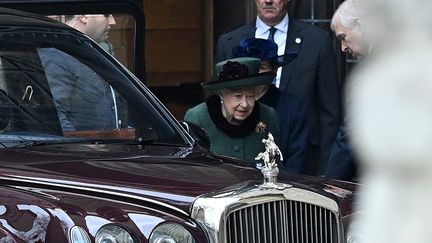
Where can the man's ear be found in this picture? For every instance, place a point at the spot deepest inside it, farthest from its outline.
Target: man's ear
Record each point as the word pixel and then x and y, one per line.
pixel 358 22
pixel 82 18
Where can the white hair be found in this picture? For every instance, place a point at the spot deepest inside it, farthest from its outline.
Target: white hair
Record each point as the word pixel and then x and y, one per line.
pixel 348 13
pixel 259 90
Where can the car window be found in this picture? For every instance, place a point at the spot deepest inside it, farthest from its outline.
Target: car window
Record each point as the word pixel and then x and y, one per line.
pixel 120 42
pixel 58 85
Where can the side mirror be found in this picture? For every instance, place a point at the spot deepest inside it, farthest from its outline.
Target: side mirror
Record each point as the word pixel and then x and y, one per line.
pixel 197 133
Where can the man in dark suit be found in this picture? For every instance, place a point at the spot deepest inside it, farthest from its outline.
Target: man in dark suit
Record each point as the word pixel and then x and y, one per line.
pixel 311 77
pixel 294 133
pixel 84 100
pixel 347 27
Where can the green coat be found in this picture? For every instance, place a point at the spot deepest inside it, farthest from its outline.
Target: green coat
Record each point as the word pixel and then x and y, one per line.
pixel 246 148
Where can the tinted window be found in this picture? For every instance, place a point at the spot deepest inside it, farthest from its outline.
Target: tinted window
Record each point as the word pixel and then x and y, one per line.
pixel 57 85
pixel 121 42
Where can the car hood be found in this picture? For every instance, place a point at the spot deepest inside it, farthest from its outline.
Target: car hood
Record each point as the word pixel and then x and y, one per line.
pixel 169 176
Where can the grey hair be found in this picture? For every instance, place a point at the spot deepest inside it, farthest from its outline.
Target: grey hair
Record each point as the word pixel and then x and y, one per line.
pixel 348 13
pixel 259 90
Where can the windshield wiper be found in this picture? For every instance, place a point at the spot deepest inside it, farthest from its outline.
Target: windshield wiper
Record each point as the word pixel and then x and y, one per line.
pixel 30 143
pixel 141 141
pixel 138 141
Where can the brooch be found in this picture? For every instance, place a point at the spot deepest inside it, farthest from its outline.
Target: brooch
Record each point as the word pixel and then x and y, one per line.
pixel 261 127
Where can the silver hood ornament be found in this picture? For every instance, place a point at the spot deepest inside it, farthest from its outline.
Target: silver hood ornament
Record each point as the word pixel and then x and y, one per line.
pixel 270 169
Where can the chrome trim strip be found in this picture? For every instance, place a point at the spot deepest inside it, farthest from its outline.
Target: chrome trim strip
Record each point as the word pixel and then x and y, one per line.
pixel 110 190
pixel 284 219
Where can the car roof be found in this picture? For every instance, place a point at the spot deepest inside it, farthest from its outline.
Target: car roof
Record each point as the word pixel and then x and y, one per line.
pixel 11 17
pixel 46 7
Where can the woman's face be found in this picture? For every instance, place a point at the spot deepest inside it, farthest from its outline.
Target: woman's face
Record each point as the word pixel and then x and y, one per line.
pixel 238 104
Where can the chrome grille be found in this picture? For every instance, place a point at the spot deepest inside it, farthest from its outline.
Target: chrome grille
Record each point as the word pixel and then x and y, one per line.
pixel 281 222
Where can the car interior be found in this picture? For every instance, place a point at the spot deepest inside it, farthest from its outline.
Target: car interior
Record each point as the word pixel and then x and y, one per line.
pixel 26 99
pixel 28 109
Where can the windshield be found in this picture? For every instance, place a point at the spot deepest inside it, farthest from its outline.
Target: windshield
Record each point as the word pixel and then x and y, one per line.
pixel 56 86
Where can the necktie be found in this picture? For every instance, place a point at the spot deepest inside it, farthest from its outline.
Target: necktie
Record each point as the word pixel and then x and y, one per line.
pixel 272 33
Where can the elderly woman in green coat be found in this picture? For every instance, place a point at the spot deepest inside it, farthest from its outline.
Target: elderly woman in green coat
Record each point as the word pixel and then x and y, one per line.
pixel 233 119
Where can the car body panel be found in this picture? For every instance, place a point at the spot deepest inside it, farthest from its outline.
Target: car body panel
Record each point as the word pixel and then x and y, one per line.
pixel 186 174
pixel 47 215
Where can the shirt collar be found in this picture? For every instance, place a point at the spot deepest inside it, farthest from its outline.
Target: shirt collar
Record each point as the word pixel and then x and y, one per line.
pixel 262 27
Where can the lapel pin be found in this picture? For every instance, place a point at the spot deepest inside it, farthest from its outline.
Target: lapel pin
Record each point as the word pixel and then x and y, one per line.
pixel 298 40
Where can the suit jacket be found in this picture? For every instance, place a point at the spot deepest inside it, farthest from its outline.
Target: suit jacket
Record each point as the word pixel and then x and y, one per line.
pixel 294 134
pixel 84 101
pixel 342 165
pixel 312 76
pixel 246 148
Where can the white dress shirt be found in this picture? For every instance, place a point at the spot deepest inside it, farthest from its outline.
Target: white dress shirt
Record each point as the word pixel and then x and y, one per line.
pixel 262 32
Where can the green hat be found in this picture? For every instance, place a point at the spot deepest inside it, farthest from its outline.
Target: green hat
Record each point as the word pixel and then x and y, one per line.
pixel 238 72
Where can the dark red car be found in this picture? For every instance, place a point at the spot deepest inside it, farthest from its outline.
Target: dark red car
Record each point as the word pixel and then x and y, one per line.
pixel 143 179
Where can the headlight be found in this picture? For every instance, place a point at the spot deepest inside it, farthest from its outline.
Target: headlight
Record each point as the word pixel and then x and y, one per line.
pixel 113 234
pixel 79 235
pixel 353 234
pixel 171 233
